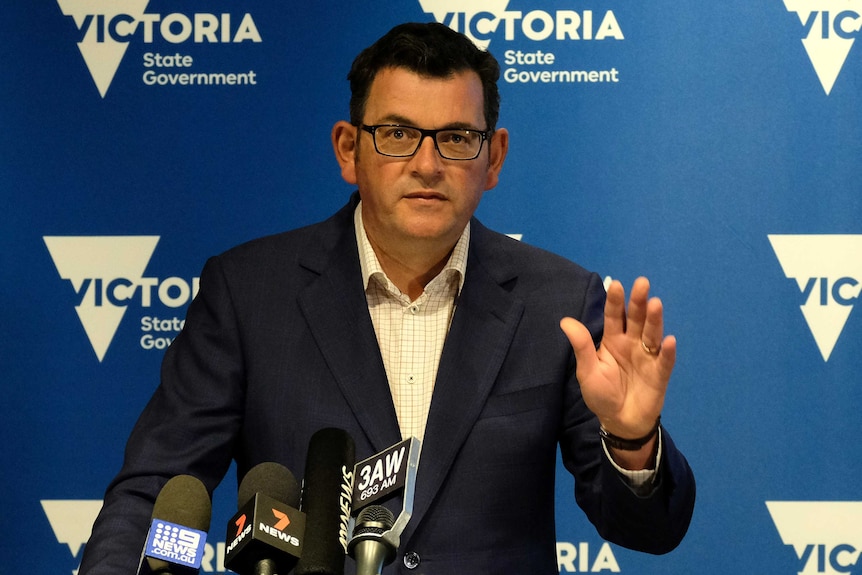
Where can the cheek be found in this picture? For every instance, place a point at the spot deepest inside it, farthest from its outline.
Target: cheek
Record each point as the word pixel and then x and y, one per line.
pixel 379 174
pixel 364 172
pixel 476 182
pixel 373 184
pixel 474 200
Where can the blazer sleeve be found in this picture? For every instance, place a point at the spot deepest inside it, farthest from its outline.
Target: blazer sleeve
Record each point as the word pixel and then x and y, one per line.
pixel 655 523
pixel 189 426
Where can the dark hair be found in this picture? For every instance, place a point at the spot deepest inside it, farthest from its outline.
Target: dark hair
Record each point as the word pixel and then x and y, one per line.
pixel 428 49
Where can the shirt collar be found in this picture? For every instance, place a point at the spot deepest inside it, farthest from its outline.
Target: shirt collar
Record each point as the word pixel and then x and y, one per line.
pixel 370 265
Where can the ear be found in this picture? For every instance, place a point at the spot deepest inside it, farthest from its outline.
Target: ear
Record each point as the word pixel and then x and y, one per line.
pixel 498 148
pixel 344 136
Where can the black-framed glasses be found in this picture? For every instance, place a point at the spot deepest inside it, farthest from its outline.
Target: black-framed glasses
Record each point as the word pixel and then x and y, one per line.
pixel 403 141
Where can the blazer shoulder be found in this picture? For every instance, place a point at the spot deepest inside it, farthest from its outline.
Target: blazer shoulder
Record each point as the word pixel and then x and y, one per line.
pixel 507 258
pixel 281 244
pixel 311 245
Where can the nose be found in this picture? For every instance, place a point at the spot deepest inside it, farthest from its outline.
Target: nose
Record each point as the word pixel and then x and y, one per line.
pixel 427 160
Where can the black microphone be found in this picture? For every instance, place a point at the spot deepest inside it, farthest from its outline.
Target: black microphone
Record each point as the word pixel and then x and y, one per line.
pixel 265 537
pixel 181 517
pixel 326 500
pixel 369 547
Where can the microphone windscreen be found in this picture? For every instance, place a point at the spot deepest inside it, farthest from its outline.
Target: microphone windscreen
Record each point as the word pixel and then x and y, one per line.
pixel 185 501
pixel 271 479
pixel 326 499
pixel 374 519
pixel 368 547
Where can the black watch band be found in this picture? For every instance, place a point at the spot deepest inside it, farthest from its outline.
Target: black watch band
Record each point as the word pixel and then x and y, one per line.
pixel 623 444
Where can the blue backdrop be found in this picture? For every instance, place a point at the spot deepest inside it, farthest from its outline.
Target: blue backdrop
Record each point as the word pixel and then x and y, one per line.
pixel 712 146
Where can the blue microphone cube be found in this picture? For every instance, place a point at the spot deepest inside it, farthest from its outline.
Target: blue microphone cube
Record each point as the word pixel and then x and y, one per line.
pixel 176 543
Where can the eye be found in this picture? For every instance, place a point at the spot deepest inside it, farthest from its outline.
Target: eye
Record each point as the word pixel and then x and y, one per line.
pixel 456 138
pixel 396 133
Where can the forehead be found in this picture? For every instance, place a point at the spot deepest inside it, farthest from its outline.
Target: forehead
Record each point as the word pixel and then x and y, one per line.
pixel 398 94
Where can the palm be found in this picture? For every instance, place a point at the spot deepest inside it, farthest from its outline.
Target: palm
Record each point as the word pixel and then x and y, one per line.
pixel 622 382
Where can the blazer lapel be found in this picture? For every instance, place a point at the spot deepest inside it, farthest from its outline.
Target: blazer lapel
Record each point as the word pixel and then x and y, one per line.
pixel 483 326
pixel 337 314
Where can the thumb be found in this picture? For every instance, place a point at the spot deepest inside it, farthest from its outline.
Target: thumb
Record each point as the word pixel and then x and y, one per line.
pixel 582 343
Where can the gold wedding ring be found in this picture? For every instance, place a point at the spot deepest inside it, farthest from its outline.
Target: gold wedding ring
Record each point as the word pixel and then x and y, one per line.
pixel 650 350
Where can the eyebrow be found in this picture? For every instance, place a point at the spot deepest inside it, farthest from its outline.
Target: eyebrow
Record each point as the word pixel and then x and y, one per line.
pixel 404 121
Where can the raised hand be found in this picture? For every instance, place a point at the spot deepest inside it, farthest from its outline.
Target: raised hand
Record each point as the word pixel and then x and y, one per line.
pixel 625 380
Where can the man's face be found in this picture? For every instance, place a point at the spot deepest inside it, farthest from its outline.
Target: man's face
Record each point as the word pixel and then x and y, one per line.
pixel 422 197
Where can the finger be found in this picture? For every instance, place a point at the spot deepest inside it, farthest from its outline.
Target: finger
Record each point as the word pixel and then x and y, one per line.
pixel 637 308
pixel 653 329
pixel 582 343
pixel 615 309
pixel 667 357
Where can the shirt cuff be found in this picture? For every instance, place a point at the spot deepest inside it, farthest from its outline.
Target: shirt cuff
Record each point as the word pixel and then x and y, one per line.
pixel 640 481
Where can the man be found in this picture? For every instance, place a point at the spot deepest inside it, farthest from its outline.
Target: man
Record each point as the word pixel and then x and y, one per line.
pixel 402 315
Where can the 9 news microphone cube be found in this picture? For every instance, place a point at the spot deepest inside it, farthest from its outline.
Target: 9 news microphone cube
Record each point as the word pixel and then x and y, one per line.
pixel 178 547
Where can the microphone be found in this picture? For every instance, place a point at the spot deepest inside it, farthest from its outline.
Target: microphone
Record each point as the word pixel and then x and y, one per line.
pixel 265 536
pixel 328 490
pixel 376 534
pixel 385 475
pixel 181 518
pixel 369 547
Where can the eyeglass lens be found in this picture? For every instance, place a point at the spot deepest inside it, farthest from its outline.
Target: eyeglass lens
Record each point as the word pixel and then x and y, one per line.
pixel 404 141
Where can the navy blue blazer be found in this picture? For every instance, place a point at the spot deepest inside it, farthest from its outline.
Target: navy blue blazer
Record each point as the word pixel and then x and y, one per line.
pixel 279 343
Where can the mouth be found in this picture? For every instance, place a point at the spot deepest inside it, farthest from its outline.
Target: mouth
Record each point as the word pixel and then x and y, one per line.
pixel 427 195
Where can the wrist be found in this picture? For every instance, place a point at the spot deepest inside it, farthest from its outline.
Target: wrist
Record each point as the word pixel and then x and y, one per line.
pixel 629 444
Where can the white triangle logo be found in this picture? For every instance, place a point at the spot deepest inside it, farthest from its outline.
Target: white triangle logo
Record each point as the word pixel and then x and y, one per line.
pixel 91 263
pixel 461 16
pixel 96 19
pixel 827 56
pixel 831 27
pixel 822 533
pixel 72 520
pixel 827 269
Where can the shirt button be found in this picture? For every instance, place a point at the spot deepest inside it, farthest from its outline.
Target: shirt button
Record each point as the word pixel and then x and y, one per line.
pixel 411 379
pixel 414 309
pixel 411 560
